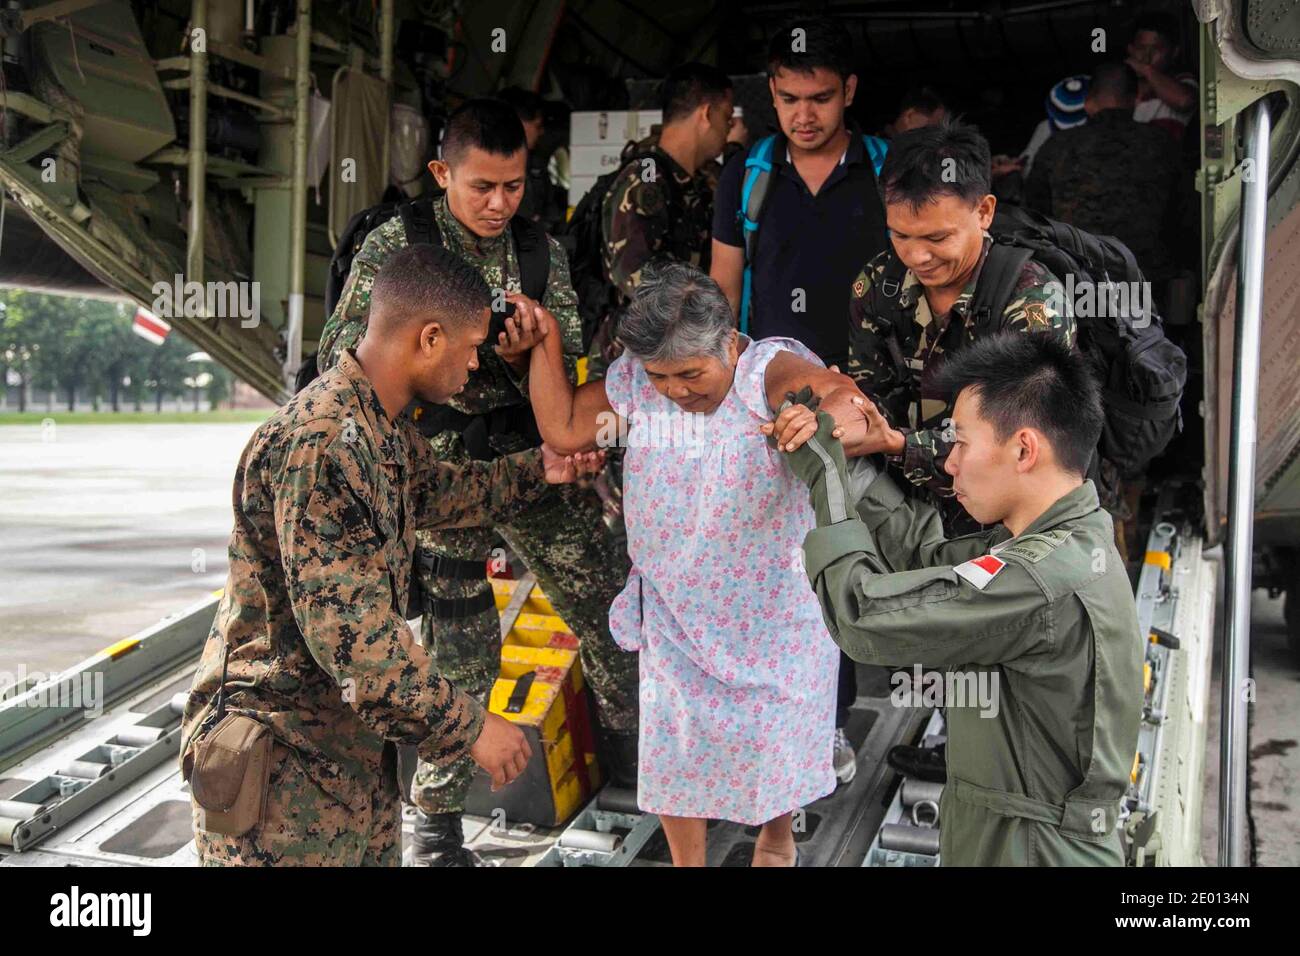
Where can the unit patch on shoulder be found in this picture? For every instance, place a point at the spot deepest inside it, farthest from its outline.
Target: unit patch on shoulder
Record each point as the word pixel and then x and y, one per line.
pixel 1034 547
pixel 980 571
pixel 859 287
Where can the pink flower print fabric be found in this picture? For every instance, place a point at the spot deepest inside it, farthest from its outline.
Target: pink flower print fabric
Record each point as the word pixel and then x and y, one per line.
pixel 738 671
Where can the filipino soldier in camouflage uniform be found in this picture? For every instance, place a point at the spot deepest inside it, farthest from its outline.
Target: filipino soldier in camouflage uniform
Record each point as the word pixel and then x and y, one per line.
pixel 657 206
pixel 328 494
pixel 565 542
pixel 660 205
pixel 1037 611
pixel 938 206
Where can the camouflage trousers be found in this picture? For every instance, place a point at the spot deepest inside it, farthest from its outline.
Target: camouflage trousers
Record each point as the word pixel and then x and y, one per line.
pixel 580 565
pixel 302 825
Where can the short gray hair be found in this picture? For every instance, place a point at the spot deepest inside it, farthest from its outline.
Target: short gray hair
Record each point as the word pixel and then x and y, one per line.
pixel 677 312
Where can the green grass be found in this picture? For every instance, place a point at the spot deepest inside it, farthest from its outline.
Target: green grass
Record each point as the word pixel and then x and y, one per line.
pixel 129 417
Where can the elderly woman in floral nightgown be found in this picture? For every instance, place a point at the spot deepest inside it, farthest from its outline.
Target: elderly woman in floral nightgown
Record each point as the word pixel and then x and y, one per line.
pixel 738 674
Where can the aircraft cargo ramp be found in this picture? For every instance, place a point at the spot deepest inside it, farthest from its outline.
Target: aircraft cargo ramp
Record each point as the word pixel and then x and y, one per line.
pixel 102 788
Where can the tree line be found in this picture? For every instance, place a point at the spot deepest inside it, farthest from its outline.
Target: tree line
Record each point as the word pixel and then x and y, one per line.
pixel 85 348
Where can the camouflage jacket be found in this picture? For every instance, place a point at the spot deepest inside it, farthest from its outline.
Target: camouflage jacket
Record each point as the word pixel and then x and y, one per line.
pixel 328 494
pixel 1114 176
pixel 494 384
pixel 642 218
pixel 912 404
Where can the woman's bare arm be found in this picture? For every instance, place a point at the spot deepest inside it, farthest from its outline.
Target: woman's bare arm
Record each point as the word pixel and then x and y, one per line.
pixel 788 372
pixel 570 420
pixel 840 397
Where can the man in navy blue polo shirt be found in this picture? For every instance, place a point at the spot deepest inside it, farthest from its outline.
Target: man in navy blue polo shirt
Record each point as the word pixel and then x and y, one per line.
pixel 822 210
pixel 820 215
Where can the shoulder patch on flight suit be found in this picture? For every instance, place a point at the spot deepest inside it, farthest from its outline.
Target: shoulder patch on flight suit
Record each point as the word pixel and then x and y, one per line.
pixel 1034 547
pixel 980 571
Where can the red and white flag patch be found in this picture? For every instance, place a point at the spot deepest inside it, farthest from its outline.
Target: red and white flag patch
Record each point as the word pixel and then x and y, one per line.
pixel 980 571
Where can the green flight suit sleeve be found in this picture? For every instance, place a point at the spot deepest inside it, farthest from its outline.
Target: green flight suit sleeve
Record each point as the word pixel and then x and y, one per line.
pixel 929 615
pixel 908 532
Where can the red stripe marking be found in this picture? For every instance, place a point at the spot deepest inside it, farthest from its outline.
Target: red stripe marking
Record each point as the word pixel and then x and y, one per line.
pixel 154 325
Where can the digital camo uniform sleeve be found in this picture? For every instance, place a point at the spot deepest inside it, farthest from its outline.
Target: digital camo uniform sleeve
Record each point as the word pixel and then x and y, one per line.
pixel 346 326
pixel 942 614
pixel 562 302
pixel 636 221
pixel 869 363
pixel 1038 304
pixel 340 586
pixel 475 493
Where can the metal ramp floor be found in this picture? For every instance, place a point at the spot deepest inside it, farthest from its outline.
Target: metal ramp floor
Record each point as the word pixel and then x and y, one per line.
pixel 147 822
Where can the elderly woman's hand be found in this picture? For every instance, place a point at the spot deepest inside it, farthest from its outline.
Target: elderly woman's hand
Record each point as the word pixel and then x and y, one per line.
pixel 564 469
pixel 792 427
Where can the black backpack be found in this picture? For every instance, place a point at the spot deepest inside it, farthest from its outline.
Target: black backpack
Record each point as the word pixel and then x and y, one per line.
pixel 420 225
pixel 584 241
pixel 534 272
pixel 1142 374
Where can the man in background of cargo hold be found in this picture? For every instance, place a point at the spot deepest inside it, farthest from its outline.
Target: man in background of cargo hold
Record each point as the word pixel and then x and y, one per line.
pixel 1114 176
pixel 566 542
pixel 655 206
pixel 544 202
pixel 310 673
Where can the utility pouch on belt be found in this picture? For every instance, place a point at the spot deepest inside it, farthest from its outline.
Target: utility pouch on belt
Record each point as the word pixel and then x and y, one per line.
pixel 228 770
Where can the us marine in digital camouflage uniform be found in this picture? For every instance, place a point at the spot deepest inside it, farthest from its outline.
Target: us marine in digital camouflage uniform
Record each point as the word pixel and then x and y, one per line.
pixel 328 495
pixel 660 205
pixel 917 412
pixel 579 563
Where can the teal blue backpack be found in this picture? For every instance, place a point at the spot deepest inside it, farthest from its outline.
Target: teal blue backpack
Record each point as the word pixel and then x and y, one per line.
pixel 758 175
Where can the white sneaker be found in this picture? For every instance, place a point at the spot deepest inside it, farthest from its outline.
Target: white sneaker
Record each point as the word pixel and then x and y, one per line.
pixel 845 758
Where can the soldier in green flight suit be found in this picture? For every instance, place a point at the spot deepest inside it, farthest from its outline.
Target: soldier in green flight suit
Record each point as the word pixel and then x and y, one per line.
pixel 1040 606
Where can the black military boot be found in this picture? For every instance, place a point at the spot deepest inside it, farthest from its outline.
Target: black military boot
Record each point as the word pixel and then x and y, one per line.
pixel 617 753
pixel 439 840
pixel 923 763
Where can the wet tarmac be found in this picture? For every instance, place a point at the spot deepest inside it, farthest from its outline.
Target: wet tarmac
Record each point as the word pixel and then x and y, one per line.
pixel 105 529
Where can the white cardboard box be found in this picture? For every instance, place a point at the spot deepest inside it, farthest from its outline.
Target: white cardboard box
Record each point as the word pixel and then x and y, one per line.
pixel 594 160
pixel 605 127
